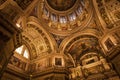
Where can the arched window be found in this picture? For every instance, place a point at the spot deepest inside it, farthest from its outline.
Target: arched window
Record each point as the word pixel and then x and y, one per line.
pixel 23 50
pixel 63 19
pixel 53 17
pixel 79 10
pixel 72 17
pixel 82 2
pixel 46 12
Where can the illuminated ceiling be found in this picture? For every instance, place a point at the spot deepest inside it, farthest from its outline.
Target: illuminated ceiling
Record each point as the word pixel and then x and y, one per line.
pixel 50 27
pixel 50 23
pixel 67 21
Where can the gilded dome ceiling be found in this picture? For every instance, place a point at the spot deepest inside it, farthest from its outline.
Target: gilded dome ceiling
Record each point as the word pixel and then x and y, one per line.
pixel 61 5
pixel 63 17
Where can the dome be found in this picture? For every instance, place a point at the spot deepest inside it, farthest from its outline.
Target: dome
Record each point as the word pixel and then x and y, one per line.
pixel 59 39
pixel 61 5
pixel 63 17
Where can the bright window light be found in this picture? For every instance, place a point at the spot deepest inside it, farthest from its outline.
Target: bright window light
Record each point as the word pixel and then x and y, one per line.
pixel 23 50
pixel 19 50
pixel 18 25
pixel 26 54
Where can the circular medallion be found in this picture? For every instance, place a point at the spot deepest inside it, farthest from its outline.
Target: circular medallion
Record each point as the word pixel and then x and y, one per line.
pixel 61 5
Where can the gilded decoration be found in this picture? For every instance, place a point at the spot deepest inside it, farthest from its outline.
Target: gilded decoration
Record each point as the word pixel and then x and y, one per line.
pixel 57 21
pixel 59 40
pixel 61 5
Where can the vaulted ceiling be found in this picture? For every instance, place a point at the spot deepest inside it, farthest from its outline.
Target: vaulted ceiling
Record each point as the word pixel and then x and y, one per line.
pixel 73 31
pixel 62 26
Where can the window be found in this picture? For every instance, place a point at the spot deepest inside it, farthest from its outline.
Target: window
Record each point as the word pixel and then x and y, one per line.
pixel 26 54
pixel 63 19
pixel 82 2
pixel 79 10
pixel 53 17
pixel 19 50
pixel 23 50
pixel 46 12
pixel 18 25
pixel 72 16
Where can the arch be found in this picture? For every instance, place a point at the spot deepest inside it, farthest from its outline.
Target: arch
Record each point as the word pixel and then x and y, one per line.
pixel 34 21
pixel 109 35
pixel 28 47
pixel 108 32
pixel 69 39
pixel 65 32
pixel 91 53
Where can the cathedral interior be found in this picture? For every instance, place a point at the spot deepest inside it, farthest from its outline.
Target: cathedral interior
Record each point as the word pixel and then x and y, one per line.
pixel 59 39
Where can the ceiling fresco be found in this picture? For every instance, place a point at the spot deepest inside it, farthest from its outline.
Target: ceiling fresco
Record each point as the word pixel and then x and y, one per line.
pixel 56 14
pixel 61 39
pixel 61 5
